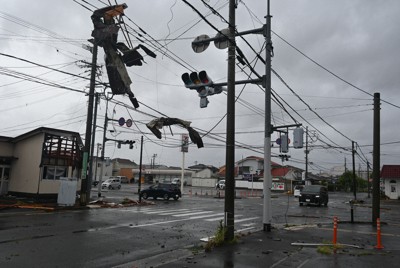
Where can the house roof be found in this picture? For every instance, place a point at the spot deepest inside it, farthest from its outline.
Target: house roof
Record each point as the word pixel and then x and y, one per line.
pixel 279 172
pixel 53 131
pixel 390 172
pixel 202 167
pixel 257 158
pixel 124 161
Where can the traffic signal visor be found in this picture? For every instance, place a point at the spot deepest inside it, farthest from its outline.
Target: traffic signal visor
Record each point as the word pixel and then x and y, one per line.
pixel 186 80
pixel 196 80
pixel 205 80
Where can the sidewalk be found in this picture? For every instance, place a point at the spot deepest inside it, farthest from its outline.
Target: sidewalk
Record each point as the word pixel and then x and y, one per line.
pixel 275 249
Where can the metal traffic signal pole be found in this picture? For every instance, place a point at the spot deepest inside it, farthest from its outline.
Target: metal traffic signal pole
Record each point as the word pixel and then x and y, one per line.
pixel 267 184
pixel 230 130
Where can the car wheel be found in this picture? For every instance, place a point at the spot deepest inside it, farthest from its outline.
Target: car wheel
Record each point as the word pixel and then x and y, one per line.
pixel 144 195
pixel 166 197
pixel 176 197
pixel 301 204
pixel 119 186
pixel 110 187
pixel 319 203
pixel 326 204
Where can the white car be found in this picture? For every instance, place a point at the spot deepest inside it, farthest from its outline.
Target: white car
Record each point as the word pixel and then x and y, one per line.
pixel 114 183
pixel 297 190
pixel 176 181
pixel 220 185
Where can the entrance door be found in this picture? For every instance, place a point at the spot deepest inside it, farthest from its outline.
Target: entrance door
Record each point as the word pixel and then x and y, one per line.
pixel 393 190
pixel 4 178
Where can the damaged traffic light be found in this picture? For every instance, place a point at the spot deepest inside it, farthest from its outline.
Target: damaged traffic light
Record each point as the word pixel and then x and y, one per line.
pixel 203 84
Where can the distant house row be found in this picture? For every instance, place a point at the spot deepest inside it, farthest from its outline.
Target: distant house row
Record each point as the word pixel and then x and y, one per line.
pixel 33 163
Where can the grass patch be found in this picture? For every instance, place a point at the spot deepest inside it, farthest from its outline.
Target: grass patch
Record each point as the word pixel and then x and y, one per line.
pixel 219 239
pixel 328 249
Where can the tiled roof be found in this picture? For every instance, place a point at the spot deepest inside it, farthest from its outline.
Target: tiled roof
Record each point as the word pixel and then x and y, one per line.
pixel 390 172
pixel 279 172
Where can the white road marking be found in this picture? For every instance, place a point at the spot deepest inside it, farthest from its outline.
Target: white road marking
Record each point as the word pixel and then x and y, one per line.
pixel 193 213
pixel 206 216
pixel 246 219
pixel 165 211
pixel 221 218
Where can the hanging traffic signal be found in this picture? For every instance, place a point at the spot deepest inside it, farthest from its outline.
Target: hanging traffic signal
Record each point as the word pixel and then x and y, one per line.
pixel 203 84
pixel 196 80
pixel 298 137
pixel 130 142
pixel 284 143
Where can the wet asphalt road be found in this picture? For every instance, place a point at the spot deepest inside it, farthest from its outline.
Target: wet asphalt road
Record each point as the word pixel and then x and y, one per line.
pixel 108 237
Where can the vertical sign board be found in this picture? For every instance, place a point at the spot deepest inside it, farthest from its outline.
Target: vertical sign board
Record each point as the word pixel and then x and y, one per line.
pixel 185 143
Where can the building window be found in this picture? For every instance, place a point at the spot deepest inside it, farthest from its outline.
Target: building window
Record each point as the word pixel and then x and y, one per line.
pixel 54 172
pixel 393 189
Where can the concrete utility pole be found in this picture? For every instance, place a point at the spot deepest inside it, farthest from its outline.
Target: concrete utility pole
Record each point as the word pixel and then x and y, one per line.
pixel 369 183
pixel 88 134
pixel 96 102
pixel 307 152
pixel 140 169
pixel 267 213
pixel 354 171
pixel 230 129
pixel 103 151
pixel 376 160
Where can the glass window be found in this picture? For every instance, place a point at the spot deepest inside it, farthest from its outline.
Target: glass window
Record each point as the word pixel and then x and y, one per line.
pixel 54 172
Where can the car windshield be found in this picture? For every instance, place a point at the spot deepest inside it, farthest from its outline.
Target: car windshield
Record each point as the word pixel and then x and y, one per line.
pixel 311 188
pixel 108 180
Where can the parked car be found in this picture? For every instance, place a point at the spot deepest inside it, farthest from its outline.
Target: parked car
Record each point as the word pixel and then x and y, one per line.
pixel 314 194
pixel 164 190
pixel 220 185
pixel 176 181
pixel 123 179
pixel 112 183
pixel 297 190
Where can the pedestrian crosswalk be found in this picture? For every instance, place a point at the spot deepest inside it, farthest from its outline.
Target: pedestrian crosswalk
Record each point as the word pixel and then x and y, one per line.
pixel 191 214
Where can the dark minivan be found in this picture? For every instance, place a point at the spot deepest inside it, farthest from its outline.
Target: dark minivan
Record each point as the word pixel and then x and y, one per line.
pixel 314 194
pixel 164 190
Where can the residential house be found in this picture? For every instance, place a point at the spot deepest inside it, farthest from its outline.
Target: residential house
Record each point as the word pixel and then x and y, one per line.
pixel 204 175
pixel 123 167
pixel 252 169
pixel 390 177
pixel 33 163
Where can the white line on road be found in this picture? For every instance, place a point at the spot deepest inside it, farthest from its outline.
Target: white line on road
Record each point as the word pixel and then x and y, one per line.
pixel 193 213
pixel 165 211
pixel 206 216
pixel 221 218
pixel 246 219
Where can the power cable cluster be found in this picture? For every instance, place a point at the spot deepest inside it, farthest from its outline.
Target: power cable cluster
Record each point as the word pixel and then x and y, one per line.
pixel 143 36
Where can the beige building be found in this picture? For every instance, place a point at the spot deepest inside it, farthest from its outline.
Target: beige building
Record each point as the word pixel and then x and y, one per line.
pixel 33 163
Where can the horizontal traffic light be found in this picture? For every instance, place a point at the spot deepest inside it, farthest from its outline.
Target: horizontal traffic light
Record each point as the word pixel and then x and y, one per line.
pixel 196 80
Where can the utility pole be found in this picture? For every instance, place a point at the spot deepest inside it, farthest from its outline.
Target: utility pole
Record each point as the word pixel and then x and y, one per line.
pixel 140 169
pixel 96 102
pixel 103 150
pixel 307 152
pixel 230 129
pixel 97 157
pixel 88 134
pixel 368 182
pixel 376 160
pixel 354 171
pixel 267 184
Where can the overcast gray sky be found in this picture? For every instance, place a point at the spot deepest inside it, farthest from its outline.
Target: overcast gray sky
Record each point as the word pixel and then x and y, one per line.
pixel 357 40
